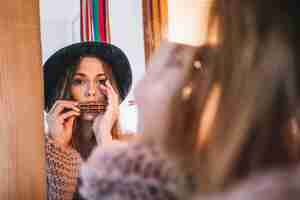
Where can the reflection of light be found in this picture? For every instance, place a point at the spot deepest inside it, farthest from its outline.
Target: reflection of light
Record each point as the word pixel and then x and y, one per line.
pixel 187 21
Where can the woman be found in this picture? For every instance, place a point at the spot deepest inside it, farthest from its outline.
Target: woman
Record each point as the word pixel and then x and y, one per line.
pixel 84 85
pixel 238 124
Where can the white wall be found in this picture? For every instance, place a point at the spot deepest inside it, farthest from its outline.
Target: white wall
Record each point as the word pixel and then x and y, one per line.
pixel 60 26
pixel 126 19
pixel 56 17
pixel 127 32
pixel 55 34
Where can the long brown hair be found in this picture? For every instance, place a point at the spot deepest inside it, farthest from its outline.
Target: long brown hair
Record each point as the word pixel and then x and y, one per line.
pixel 256 68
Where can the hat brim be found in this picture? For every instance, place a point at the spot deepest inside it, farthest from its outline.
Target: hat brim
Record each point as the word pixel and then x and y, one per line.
pixel 57 64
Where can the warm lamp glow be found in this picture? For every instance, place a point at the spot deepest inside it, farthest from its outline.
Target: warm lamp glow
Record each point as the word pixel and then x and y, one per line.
pixel 188 20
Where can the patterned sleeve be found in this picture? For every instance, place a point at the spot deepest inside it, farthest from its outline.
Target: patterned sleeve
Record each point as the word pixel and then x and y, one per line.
pixel 135 172
pixel 62 166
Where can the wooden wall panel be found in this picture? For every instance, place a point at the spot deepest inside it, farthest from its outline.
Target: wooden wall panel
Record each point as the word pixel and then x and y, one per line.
pixel 22 168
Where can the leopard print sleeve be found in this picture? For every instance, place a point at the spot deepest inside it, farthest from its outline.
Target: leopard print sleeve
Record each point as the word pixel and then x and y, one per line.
pixel 62 167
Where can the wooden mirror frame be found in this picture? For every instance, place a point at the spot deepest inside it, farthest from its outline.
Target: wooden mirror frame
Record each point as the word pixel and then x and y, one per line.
pixel 22 163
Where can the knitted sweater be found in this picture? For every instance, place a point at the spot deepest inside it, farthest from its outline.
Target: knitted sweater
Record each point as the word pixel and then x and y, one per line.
pixel 62 165
pixel 135 172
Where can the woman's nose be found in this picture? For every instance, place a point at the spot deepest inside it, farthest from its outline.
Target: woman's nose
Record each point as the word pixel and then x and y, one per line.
pixel 91 90
pixel 91 93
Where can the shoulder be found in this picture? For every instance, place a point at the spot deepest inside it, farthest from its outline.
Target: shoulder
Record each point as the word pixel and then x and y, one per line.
pixel 125 172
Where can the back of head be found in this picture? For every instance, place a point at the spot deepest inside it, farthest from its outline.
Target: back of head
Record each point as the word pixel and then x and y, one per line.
pixel 254 65
pixel 256 68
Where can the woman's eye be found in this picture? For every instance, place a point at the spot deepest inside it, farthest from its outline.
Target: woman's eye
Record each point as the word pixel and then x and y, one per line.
pixel 77 82
pixel 101 82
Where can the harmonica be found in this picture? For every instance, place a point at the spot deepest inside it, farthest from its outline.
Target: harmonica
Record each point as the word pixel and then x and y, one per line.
pixel 92 107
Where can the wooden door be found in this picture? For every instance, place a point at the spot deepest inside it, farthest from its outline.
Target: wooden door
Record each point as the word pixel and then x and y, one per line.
pixel 22 170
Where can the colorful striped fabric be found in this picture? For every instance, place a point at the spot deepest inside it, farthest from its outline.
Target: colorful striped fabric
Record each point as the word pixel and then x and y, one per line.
pixel 94 20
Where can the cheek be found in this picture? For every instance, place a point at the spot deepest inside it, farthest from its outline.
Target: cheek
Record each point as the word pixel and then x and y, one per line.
pixel 76 92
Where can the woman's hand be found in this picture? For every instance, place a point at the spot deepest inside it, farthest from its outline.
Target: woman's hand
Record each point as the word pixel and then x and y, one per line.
pixel 156 92
pixel 103 124
pixel 60 123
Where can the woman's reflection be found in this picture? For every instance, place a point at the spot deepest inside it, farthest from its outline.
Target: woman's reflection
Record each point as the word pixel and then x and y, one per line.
pixel 84 85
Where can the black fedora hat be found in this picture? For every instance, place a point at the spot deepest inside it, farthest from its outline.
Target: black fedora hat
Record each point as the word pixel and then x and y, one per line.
pixel 56 66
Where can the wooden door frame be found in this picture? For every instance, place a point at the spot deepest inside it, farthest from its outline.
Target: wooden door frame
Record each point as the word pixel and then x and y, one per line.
pixel 22 162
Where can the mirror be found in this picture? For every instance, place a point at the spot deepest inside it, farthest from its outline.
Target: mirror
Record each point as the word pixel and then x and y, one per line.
pixel 60 26
pixel 132 26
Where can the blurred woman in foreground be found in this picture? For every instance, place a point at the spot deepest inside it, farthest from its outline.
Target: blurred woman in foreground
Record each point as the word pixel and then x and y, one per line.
pixel 210 137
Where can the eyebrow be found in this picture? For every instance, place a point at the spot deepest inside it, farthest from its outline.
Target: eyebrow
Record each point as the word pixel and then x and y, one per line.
pixel 101 74
pixel 82 74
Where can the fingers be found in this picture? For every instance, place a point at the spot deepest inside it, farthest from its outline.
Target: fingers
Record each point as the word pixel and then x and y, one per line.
pixel 65 137
pixel 62 118
pixel 169 73
pixel 112 110
pixel 103 89
pixel 179 67
pixel 69 124
pixel 60 105
pixel 159 59
pixel 168 58
pixel 109 91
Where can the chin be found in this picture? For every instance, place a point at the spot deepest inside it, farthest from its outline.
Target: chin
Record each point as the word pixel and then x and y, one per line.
pixel 89 116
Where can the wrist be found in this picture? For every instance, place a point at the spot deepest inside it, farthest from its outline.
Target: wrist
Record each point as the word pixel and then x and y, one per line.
pixel 61 143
